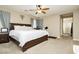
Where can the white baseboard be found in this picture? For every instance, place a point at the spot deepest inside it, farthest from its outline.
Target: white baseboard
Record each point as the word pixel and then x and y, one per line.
pixel 58 37
pixel 76 49
pixel 75 39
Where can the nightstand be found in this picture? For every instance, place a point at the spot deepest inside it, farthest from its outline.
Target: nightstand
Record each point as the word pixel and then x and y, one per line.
pixel 4 37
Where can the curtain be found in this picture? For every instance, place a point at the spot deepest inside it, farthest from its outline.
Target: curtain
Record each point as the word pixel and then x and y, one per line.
pixel 5 19
pixel 34 24
pixel 2 19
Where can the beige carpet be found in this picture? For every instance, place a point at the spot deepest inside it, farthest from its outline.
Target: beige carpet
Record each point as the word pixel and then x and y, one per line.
pixel 52 46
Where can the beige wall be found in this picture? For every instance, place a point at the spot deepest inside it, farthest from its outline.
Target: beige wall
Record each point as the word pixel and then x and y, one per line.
pixel 53 23
pixel 15 16
pixel 76 25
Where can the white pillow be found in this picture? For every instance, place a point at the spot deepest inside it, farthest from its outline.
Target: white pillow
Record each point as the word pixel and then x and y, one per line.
pixel 19 27
pixel 22 28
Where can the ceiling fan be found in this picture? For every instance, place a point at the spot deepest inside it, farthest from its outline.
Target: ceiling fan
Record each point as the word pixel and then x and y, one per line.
pixel 39 9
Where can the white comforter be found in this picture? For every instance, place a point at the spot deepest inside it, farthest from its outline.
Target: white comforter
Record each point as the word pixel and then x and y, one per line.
pixel 24 36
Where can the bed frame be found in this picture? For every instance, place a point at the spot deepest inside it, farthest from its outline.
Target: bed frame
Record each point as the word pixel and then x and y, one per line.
pixel 31 43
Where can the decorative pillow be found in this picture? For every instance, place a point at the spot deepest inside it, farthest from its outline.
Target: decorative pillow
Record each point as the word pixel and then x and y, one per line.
pixel 28 28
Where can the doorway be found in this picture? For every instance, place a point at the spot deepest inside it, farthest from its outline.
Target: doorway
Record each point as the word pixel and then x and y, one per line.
pixel 67 25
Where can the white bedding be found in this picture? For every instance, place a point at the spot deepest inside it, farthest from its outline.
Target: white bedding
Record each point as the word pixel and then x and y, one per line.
pixel 24 36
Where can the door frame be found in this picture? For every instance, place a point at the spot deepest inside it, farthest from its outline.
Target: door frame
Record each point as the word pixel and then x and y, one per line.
pixel 61 22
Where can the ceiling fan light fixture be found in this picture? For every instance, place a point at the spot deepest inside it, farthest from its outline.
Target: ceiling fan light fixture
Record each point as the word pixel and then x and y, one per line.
pixel 39 11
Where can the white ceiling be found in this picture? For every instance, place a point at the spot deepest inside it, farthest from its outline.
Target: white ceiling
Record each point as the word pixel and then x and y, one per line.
pixel 54 9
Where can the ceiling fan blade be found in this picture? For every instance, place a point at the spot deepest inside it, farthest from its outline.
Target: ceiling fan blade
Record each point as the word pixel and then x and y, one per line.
pixel 45 9
pixel 30 10
pixel 43 12
pixel 36 13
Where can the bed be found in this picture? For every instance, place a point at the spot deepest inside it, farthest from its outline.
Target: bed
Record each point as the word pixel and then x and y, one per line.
pixel 26 39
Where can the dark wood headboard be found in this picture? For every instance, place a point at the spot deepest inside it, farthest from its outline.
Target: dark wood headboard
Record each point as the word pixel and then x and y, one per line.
pixel 12 25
